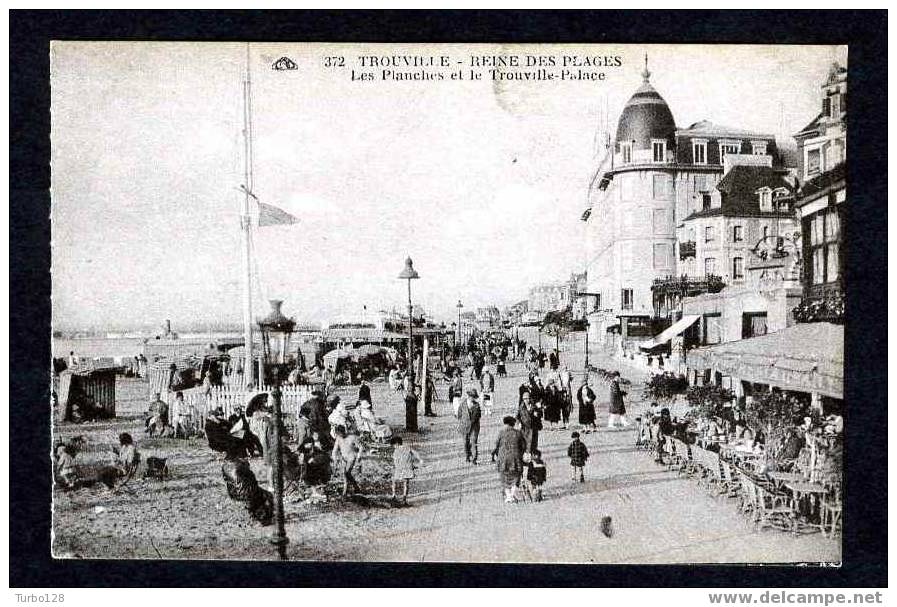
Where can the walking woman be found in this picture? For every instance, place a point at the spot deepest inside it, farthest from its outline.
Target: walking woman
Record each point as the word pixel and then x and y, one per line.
pixel 585 397
pixel 551 401
pixel 508 456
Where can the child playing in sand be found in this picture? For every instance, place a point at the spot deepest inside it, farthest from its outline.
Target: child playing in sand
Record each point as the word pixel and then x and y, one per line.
pixel 578 454
pixel 403 461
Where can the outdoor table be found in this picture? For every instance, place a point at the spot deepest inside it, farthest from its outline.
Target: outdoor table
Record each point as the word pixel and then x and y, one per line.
pixel 809 491
pixel 780 478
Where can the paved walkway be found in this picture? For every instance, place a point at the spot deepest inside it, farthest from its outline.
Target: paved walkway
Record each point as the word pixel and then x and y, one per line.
pixel 457 512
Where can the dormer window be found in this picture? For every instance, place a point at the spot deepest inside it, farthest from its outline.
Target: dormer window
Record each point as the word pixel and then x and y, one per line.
pixel 699 151
pixel 758 148
pixel 728 147
pixel 659 146
pixel 765 199
pixel 814 162
pixel 626 151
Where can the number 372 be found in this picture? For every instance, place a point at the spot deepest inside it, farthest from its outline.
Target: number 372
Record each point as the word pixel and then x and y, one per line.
pixel 334 62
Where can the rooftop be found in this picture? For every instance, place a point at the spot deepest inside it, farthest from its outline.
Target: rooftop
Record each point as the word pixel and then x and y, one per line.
pixel 711 129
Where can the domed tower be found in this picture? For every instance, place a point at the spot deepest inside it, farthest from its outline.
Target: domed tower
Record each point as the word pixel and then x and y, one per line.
pixel 631 222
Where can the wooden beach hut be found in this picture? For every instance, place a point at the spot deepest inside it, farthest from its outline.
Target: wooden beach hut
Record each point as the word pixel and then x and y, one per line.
pixel 97 383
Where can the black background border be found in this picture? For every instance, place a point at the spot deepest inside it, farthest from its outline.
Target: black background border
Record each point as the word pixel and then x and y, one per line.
pixel 865 537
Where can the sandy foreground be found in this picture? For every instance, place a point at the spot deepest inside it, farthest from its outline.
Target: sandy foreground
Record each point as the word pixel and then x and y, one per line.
pixel 455 513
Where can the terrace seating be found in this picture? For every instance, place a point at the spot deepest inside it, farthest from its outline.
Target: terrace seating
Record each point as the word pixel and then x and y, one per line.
pixel 830 509
pixel 731 484
pixel 767 499
pixel 773 509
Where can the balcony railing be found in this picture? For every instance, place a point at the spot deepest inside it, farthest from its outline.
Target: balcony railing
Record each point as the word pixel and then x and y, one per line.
pixel 687 249
pixel 687 286
pixel 821 309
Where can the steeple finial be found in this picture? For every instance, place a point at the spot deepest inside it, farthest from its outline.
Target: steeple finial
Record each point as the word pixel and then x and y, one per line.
pixel 646 74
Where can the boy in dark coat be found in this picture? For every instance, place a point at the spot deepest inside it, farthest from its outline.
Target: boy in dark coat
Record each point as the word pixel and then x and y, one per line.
pixel 578 454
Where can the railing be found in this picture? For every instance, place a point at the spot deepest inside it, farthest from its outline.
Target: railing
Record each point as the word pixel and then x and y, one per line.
pixel 197 404
pixel 688 285
pixel 821 309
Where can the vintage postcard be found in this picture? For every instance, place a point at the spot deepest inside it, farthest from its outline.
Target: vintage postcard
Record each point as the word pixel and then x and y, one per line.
pixel 528 303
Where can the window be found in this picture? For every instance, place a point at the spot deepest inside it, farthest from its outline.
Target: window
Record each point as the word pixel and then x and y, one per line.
pixel 663 187
pixel 713 333
pixel 818 266
pixel 817 230
pixel 626 299
pixel 765 200
pixel 835 106
pixel 706 201
pixel 814 159
pixel 753 324
pixel 626 150
pixel 699 152
pixel 708 234
pixel 737 234
pixel 729 147
pixel 660 150
pixel 832 262
pixel 662 222
pixel 825 232
pixel 662 256
pixel 758 148
pixel 737 268
pixel 709 266
pixel 832 227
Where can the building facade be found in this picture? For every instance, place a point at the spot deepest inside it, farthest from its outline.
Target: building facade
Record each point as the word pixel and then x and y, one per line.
pixel 653 177
pixel 548 297
pixel 821 201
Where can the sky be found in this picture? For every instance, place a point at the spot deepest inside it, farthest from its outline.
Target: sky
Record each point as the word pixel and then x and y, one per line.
pixel 481 183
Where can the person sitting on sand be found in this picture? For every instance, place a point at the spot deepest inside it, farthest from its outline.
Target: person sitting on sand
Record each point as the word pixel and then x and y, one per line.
pixel 127 458
pixel 64 472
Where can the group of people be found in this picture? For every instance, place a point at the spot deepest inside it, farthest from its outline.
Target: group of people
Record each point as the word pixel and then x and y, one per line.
pixel 66 473
pixel 516 452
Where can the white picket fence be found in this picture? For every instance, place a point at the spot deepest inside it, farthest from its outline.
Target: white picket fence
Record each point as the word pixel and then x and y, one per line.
pixel 197 404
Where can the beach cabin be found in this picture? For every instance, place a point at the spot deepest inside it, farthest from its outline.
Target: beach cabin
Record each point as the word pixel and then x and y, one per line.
pixel 78 383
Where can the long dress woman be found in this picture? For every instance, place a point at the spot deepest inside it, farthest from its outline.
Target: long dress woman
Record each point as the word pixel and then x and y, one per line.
pixel 585 396
pixel 551 401
pixel 508 456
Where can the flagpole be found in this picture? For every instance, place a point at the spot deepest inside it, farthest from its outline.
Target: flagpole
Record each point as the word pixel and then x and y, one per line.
pixel 245 224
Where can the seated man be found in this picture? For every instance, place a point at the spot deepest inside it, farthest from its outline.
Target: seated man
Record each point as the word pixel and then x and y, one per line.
pixel 219 436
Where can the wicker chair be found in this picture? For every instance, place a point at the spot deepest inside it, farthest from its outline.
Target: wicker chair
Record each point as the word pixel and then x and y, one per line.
pixel 773 509
pixel 830 508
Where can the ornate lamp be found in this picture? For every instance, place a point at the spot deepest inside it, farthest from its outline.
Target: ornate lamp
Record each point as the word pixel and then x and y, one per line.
pixel 276 332
pixel 409 274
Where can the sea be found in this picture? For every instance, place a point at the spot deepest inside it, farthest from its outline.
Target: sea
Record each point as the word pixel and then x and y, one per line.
pixel 92 347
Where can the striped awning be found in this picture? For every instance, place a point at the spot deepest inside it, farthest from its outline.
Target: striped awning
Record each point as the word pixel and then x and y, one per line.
pixel 670 332
pixel 807 357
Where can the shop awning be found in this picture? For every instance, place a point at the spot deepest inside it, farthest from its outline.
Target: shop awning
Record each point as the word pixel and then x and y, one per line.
pixel 670 332
pixel 807 357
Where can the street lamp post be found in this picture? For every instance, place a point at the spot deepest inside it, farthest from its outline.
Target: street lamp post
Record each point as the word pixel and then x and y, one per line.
pixel 409 274
pixel 588 324
pixel 454 336
pixel 276 331
pixel 459 306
